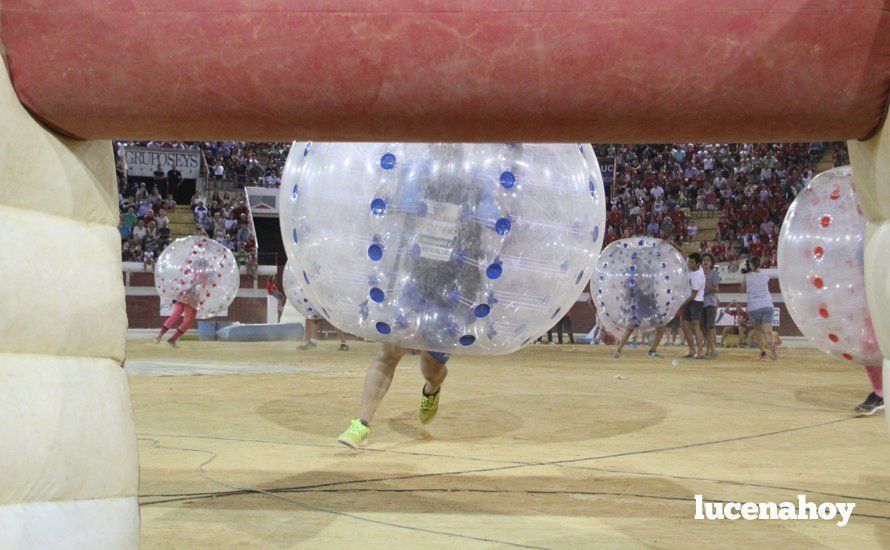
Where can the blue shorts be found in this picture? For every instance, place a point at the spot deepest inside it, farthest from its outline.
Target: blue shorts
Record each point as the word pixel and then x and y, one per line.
pixel 439 356
pixel 761 316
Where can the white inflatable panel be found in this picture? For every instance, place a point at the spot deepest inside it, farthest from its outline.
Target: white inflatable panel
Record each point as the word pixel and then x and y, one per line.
pixel 72 435
pixel 871 175
pixel 110 523
pixel 68 463
pixel 62 289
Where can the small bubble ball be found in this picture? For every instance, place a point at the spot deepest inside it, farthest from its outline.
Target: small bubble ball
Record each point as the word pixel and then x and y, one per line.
pixel 639 282
pixel 199 272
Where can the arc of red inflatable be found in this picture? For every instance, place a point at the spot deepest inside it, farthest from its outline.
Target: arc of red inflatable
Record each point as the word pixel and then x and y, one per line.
pixel 453 70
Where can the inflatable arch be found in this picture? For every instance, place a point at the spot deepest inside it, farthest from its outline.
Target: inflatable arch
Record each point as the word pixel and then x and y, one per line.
pixel 83 72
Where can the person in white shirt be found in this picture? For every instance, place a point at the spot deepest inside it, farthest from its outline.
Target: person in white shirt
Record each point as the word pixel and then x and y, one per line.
pixel 760 307
pixel 693 308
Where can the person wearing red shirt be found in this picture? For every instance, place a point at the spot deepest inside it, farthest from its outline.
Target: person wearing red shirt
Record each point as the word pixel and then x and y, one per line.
pixel 614 217
pixel 740 321
pixel 717 249
pixel 756 249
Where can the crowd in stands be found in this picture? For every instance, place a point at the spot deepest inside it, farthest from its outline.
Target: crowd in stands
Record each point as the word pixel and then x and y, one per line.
pixel 144 223
pixel 748 187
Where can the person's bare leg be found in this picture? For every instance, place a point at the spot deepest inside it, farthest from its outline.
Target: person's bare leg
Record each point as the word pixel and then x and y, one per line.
pixel 623 341
pixel 434 372
pixel 378 379
pixel 687 334
pixel 656 339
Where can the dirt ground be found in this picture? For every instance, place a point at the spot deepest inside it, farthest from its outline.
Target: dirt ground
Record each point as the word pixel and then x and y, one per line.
pixel 552 447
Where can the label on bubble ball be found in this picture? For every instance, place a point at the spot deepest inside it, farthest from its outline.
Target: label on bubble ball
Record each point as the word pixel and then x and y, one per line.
pixel 437 231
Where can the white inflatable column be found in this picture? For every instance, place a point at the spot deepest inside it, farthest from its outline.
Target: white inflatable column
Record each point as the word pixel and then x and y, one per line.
pixel 68 463
pixel 871 174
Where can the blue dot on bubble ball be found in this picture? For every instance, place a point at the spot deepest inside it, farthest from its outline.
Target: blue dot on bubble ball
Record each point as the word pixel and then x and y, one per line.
pixel 388 161
pixel 482 310
pixel 295 236
pixel 494 271
pixel 378 206
pixel 375 252
pixel 467 339
pixel 508 180
pixel 306 149
pixel 596 232
pixel 306 277
pixel 377 295
pixel 293 193
pixel 502 226
pixel 592 188
pixel 383 328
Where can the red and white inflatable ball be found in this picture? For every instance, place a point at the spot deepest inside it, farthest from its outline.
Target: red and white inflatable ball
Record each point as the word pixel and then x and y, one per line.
pixel 199 272
pixel 821 268
pixel 296 296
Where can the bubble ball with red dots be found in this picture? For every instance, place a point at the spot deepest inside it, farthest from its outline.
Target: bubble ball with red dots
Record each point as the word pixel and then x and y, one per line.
pixel 821 268
pixel 639 282
pixel 295 295
pixel 199 272
pixel 466 248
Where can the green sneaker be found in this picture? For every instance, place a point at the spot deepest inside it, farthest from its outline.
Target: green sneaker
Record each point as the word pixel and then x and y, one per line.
pixel 355 435
pixel 429 406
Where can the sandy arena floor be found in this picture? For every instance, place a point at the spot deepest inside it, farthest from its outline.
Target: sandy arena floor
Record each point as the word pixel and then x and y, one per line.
pixel 553 447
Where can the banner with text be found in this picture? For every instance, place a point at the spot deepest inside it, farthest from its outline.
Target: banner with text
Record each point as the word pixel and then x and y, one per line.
pixel 143 161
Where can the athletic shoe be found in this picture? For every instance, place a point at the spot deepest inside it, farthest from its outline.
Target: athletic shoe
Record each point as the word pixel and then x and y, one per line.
pixel 870 406
pixel 344 347
pixel 429 406
pixel 171 343
pixel 654 354
pixel 156 339
pixel 616 355
pixel 632 346
pixel 763 356
pixel 690 356
pixel 355 435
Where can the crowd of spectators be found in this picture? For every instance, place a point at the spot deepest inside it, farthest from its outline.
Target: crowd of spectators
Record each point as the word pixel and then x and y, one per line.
pixel 747 186
pixel 144 223
pixel 227 221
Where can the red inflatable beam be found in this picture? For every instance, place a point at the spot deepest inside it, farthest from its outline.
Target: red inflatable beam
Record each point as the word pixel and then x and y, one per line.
pixel 452 70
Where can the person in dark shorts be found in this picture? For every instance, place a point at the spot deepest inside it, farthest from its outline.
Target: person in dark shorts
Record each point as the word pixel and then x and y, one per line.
pixel 709 316
pixel 694 308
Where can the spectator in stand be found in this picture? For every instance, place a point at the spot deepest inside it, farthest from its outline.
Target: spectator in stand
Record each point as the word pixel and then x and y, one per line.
pixel 130 218
pixel 161 220
pixel 160 181
pixel 174 179
pixel 692 230
pixel 219 171
pixel 139 232
pixel 240 211
pixel 125 230
pixel 242 234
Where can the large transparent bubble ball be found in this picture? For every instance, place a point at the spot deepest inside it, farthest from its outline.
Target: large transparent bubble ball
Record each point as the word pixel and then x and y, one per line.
pixel 199 272
pixel 821 268
pixel 295 295
pixel 459 248
pixel 639 282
